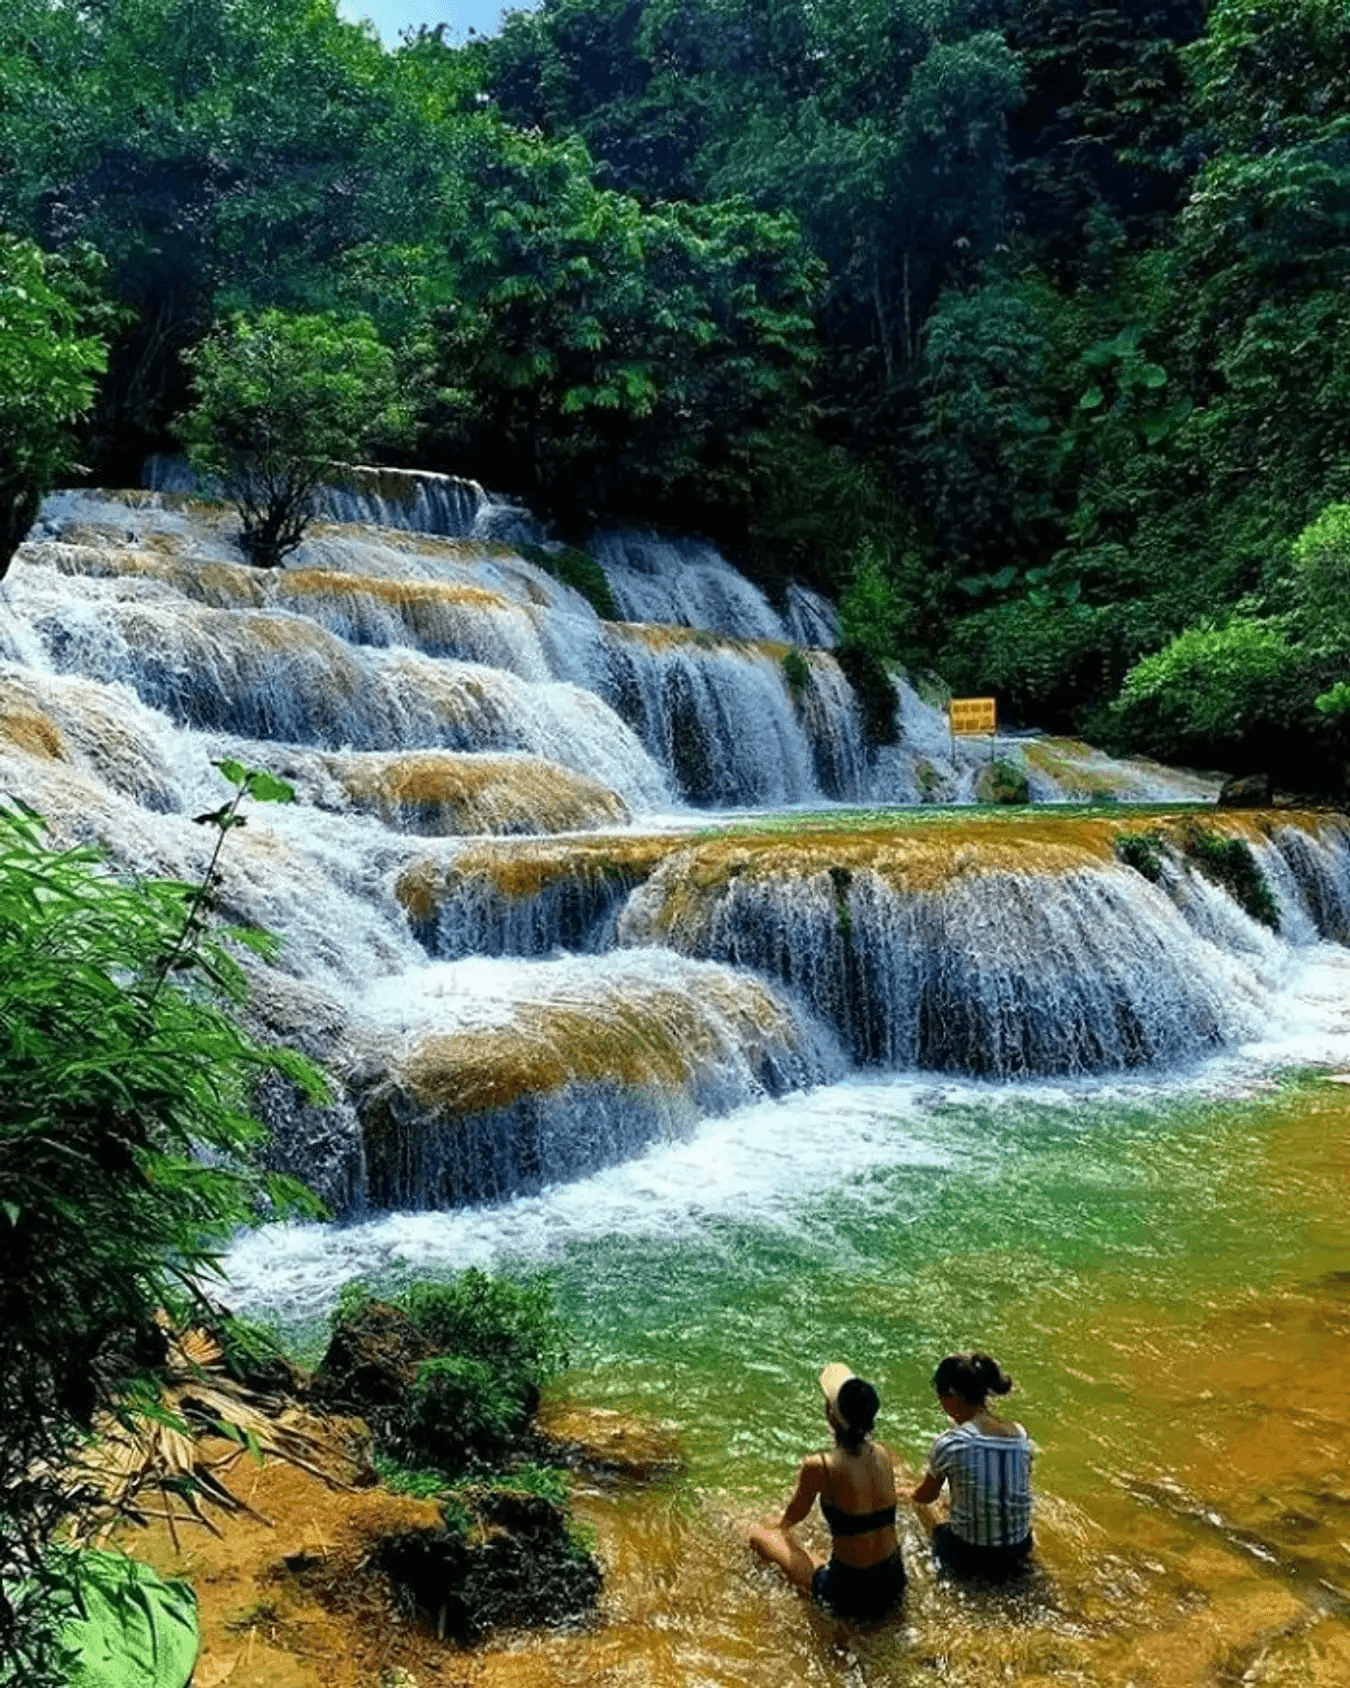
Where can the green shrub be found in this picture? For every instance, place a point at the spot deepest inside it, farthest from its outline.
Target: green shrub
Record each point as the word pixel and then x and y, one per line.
pixel 875 692
pixel 126 1162
pixel 1145 852
pixel 460 1408
pixel 872 615
pixel 510 1327
pixel 1002 782
pixel 577 569
pixel 47 370
pixel 279 399
pixel 1322 579
pixel 1334 704
pixel 1213 688
pixel 353 1299
pixel 796 671
pixel 410 1480
pixel 1041 660
pixel 1231 864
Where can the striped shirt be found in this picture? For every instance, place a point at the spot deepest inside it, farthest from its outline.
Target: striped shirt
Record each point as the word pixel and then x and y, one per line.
pixel 990 1478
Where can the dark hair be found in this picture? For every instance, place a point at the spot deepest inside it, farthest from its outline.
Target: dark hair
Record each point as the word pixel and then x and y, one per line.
pixel 972 1377
pixel 857 1402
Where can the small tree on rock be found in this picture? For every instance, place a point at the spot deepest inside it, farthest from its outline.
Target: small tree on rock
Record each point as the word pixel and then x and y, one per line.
pixel 280 400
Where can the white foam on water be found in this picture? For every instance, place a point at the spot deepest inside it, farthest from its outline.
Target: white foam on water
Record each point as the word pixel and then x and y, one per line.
pixel 760 1163
pixel 754 1162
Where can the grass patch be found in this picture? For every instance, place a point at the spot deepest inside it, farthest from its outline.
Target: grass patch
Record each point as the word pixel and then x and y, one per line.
pixel 575 568
pixel 1231 864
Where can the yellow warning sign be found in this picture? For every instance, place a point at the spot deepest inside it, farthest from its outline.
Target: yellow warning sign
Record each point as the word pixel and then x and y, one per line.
pixel 969 715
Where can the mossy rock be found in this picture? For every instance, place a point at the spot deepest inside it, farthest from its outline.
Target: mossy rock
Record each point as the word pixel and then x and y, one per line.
pixel 1002 782
pixel 503 1560
pixel 933 784
pixel 577 569
pixel 371 1362
pixel 1231 864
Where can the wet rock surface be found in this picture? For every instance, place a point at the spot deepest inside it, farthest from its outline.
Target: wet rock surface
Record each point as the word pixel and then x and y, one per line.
pixel 1245 791
pixel 1002 782
pixel 371 1364
pixel 607 1444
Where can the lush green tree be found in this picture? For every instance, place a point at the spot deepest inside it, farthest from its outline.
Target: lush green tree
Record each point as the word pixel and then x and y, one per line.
pixel 1259 318
pixel 1321 577
pixel 1106 132
pixel 1214 688
pixel 880 127
pixel 223 154
pixel 989 432
pixel 47 370
pixel 279 400
pixel 126 1145
pixel 599 357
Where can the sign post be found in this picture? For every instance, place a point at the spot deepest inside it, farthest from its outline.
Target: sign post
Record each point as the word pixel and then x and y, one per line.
pixel 972 717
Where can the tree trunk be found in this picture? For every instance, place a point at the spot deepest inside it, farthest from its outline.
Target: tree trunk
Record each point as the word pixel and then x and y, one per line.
pixel 19 505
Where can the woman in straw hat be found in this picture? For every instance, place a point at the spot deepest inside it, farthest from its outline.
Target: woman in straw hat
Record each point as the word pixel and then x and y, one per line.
pixel 854 1481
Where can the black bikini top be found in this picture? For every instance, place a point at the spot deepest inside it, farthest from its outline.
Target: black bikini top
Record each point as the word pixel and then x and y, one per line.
pixel 841 1523
pixel 855 1523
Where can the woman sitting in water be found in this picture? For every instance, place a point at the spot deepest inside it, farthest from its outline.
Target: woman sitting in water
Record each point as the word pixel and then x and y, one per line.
pixel 986 1461
pixel 855 1482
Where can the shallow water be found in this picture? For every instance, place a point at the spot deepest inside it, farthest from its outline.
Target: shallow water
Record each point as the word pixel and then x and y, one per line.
pixel 1172 1296
pixel 1163 1264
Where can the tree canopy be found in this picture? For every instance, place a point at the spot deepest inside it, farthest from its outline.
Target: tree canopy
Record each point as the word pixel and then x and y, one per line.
pixel 1044 299
pixel 47 371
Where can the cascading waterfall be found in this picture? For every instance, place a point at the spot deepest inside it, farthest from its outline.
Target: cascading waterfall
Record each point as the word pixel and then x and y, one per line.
pixel 433 698
pixel 723 718
pixel 529 1080
pixel 396 498
pixel 761 1088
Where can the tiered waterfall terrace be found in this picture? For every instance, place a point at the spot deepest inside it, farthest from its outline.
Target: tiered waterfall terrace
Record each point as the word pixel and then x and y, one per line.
pixel 765 1090
pixel 431 696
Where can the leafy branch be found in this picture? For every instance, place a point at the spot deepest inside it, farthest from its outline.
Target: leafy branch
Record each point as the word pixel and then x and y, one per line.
pixel 248 782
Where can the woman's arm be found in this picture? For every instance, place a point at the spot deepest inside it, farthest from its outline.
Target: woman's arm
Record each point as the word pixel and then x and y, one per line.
pixel 810 1480
pixel 928 1490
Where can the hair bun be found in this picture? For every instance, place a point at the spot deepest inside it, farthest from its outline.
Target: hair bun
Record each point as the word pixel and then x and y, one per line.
pixel 991 1374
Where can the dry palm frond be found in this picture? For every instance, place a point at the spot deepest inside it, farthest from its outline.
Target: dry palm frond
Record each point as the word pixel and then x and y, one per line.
pixel 171 1465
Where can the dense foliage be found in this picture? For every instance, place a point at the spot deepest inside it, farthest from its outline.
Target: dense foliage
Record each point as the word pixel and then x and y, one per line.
pixel 125 1165
pixel 447 1374
pixel 47 369
pixel 1042 302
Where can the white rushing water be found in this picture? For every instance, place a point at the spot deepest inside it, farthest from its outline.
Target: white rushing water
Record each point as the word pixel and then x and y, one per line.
pixel 623 1020
pixel 756 1164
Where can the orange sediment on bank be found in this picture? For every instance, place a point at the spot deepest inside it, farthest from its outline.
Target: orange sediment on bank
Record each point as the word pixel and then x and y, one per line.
pixel 161 558
pixel 450 793
pixel 415 543
pixel 665 636
pixel 636 1035
pixel 412 597
pixel 31 732
pixel 908 852
pixel 517 872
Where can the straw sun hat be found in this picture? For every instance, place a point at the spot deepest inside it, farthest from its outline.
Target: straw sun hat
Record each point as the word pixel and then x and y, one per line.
pixel 832 1380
